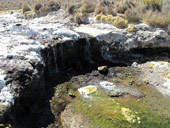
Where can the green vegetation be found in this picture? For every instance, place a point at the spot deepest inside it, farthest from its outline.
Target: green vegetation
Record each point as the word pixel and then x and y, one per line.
pixel 64 94
pixel 104 8
pixel 120 22
pixel 105 112
pixel 151 111
pixel 102 111
pixel 87 6
pixel 153 2
pixel 132 15
pixel 116 20
pixel 152 12
pixel 156 19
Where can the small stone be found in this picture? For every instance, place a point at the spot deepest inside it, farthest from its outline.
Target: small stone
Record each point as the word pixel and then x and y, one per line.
pixel 135 64
pixel 131 82
pixel 146 82
pixel 103 69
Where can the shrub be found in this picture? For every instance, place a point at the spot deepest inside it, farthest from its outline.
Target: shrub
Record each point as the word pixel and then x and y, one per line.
pixel 87 6
pixel 122 6
pixel 26 8
pixel 37 7
pixel 132 15
pixel 105 8
pixel 120 22
pixel 104 18
pixel 166 6
pixel 156 19
pixel 155 5
pixel 71 9
pixel 110 18
pixel 53 6
pixel 153 2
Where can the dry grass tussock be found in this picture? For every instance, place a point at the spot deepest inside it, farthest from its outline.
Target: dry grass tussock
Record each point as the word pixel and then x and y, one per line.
pixel 152 12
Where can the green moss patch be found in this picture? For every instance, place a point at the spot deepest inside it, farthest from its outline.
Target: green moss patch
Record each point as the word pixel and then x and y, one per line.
pixel 105 112
pixel 125 112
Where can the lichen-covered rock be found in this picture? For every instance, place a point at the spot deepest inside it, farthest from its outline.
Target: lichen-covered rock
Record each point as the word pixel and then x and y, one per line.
pixel 88 91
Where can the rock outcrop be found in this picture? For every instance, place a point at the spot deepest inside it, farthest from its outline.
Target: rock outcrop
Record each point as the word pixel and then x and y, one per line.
pixel 31 49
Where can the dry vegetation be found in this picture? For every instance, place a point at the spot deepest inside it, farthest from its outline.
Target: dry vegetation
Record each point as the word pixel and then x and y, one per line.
pixel 118 12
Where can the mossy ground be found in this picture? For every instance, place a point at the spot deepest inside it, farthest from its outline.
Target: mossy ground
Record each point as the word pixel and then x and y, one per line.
pixel 102 111
pixel 127 76
pixel 106 112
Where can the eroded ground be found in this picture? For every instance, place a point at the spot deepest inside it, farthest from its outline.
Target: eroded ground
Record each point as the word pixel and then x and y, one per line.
pixel 121 99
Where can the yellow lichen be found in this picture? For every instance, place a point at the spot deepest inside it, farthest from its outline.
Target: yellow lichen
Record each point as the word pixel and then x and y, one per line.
pixel 129 115
pixel 131 28
pixel 91 89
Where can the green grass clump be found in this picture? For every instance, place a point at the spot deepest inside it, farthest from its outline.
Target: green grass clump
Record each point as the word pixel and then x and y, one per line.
pixel 49 7
pixel 104 8
pixel 105 18
pixel 120 22
pixel 156 19
pixel 111 18
pixel 116 20
pixel 87 6
pixel 153 2
pixel 132 15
